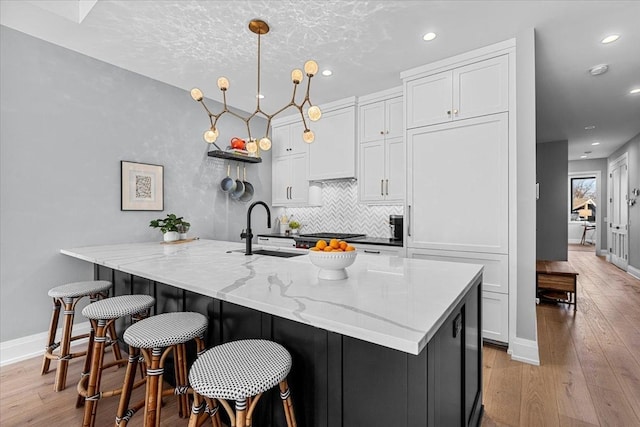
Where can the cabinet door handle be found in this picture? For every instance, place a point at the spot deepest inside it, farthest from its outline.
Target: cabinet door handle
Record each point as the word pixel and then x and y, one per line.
pixel 449 112
pixel 262 239
pixel 387 182
pixel 409 220
pixel 381 132
pixel 367 251
pixel 455 111
pixel 382 187
pixel 290 193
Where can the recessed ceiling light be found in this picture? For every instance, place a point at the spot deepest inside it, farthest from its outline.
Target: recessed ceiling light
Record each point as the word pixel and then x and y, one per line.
pixel 590 127
pixel 327 72
pixel 584 156
pixel 595 143
pixel 634 91
pixel 610 39
pixel 429 36
pixel 596 70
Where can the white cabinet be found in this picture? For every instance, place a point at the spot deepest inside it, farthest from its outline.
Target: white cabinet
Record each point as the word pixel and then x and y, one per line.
pixel 472 90
pixel 458 186
pixel 289 174
pixel 381 150
pixel 495 279
pixel 289 180
pixel 460 121
pixel 333 153
pixel 377 249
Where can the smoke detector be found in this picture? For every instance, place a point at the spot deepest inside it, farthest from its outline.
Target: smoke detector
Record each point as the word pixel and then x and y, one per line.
pixel 596 70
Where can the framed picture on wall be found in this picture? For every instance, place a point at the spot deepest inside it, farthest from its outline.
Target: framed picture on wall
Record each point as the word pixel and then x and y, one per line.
pixel 142 187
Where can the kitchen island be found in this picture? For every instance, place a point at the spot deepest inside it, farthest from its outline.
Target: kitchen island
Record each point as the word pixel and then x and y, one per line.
pixel 397 343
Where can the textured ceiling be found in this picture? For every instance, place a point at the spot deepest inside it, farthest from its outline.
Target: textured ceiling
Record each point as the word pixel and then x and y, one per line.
pixel 366 43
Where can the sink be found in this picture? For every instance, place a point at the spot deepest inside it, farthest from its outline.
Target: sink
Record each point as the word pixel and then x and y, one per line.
pixel 279 254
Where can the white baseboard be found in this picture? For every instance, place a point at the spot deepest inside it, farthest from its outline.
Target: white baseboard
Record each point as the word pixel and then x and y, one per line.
pixel 635 272
pixel 24 348
pixel 604 252
pixel 524 351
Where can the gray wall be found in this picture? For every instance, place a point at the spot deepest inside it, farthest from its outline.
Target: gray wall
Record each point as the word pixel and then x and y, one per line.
pixel 551 209
pixel 632 148
pixel 66 122
pixel 596 165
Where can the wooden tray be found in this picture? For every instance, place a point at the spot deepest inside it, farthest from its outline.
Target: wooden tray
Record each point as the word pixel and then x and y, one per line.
pixel 177 242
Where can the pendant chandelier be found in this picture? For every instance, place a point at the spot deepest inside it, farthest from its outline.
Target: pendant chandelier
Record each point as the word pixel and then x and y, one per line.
pixel 260 27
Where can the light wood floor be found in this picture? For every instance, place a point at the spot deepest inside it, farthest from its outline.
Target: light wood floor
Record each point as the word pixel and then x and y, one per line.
pixel 589 373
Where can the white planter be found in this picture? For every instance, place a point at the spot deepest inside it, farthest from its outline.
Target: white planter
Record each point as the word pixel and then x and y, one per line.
pixel 171 236
pixel 183 236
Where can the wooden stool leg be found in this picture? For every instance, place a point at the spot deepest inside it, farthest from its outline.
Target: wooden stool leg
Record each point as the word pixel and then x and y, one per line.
pixel 123 415
pixel 153 395
pixel 241 412
pixel 182 382
pixel 84 376
pixel 285 395
pixel 115 346
pixel 51 340
pixel 65 345
pixel 93 387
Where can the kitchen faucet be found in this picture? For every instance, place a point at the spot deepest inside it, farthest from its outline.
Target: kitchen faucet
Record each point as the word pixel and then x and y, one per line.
pixel 246 234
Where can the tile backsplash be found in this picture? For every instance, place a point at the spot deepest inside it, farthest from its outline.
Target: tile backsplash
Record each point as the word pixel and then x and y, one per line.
pixel 341 213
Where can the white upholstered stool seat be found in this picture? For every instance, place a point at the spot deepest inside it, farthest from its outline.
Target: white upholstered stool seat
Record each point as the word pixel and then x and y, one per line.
pixel 102 315
pixel 115 307
pixel 68 295
pixel 80 289
pixel 154 338
pixel 241 371
pixel 164 330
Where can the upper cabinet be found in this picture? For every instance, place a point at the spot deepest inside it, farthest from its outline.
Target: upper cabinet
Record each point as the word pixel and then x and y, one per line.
pixel 472 90
pixel 288 139
pixel 381 148
pixel 333 153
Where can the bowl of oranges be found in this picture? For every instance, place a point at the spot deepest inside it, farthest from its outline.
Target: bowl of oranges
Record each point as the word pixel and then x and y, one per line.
pixel 333 258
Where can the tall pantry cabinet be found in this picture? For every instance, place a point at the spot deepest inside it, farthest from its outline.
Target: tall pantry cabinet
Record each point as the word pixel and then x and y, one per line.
pixel 459 131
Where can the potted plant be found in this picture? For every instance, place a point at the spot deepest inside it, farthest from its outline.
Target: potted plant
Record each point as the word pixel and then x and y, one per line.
pixel 294 226
pixel 171 226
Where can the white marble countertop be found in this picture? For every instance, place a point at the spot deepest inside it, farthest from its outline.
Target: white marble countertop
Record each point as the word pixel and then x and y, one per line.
pixel 395 302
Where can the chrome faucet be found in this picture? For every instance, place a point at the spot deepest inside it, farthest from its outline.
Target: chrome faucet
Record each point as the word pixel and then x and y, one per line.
pixel 246 234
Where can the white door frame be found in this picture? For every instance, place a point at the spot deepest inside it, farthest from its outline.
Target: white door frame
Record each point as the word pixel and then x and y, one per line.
pixel 599 206
pixel 622 159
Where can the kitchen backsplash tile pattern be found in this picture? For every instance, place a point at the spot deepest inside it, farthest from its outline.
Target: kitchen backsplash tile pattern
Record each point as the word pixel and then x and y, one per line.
pixel 341 213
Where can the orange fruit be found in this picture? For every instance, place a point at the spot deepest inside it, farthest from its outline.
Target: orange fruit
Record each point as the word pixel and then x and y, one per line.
pixel 349 248
pixel 328 249
pixel 334 243
pixel 343 245
pixel 314 249
pixel 321 244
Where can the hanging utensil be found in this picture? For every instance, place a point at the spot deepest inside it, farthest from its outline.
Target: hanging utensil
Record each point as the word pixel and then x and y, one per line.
pixel 239 190
pixel 248 188
pixel 228 184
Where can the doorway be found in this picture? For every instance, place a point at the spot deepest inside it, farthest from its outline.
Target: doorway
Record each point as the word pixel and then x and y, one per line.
pixel 619 212
pixel 585 194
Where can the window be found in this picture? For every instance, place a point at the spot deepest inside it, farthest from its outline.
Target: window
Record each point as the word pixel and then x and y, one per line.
pixel 583 197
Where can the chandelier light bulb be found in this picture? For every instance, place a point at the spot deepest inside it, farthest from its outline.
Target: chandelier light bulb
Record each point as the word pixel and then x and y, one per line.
pixel 314 113
pixel 211 135
pixel 308 136
pixel 196 94
pixel 265 144
pixel 223 83
pixel 296 76
pixel 311 68
pixel 251 146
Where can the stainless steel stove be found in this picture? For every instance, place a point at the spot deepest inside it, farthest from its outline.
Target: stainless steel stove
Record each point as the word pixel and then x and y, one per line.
pixel 307 241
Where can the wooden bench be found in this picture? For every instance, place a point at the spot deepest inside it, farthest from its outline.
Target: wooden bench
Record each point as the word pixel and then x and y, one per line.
pixel 557 281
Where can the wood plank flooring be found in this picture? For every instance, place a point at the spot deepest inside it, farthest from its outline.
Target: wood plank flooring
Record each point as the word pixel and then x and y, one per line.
pixel 589 373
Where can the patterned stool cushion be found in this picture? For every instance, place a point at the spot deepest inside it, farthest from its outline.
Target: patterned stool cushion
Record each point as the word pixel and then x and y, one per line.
pixel 164 330
pixel 240 369
pixel 80 289
pixel 114 307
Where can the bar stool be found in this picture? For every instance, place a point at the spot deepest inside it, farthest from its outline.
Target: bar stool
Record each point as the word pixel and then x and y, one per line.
pixel 155 338
pixel 241 371
pixel 69 295
pixel 102 315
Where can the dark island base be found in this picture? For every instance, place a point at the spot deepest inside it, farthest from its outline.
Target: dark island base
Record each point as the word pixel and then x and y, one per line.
pixel 339 381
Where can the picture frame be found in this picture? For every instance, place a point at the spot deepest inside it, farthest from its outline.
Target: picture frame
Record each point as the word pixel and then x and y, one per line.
pixel 142 186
